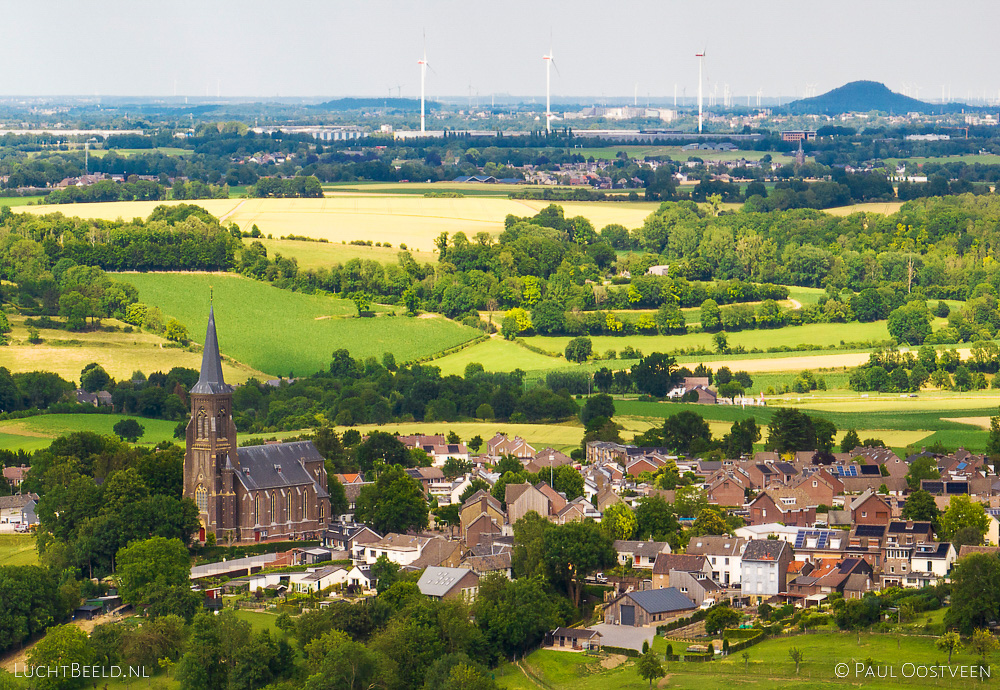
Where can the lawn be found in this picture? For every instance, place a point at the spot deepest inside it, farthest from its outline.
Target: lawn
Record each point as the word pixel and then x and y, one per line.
pixel 17 549
pixel 67 353
pixel 284 332
pixel 769 666
pixel 261 621
pixel 325 254
pixel 13 201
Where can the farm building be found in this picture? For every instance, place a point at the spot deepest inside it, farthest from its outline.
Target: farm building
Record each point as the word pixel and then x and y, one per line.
pixel 651 607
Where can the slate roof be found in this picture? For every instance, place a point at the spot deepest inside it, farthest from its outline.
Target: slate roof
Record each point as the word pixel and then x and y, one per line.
pixel 16 501
pixel 764 550
pixel 437 582
pixel 716 546
pixel 211 380
pixel 650 549
pixel 488 564
pixel 661 600
pixel 258 466
pixel 666 562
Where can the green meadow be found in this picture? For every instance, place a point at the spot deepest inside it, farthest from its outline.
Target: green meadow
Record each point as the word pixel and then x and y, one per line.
pixel 283 332
pixel 17 549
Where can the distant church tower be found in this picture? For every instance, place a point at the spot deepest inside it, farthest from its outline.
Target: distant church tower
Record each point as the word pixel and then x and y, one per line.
pixel 211 443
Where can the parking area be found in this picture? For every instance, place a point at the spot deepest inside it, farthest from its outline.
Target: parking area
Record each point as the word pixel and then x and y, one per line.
pixel 625 636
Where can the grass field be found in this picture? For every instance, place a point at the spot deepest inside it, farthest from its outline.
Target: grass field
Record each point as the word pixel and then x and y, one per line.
pixel 769 666
pixel 811 334
pixel 883 207
pixel 17 549
pixel 125 153
pixel 121 354
pixel 283 332
pixel 39 431
pixel 13 201
pixel 324 254
pixel 970 158
pixel 497 354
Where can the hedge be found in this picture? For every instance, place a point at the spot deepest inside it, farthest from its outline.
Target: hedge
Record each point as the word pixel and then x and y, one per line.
pixel 621 650
pixel 698 615
pixel 698 656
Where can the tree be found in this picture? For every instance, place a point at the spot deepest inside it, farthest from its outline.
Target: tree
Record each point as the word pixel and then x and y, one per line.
pixel 686 432
pixel 383 448
pixel 719 618
pixel 949 642
pixel 600 405
pixel 910 323
pixel 711 315
pixel 655 374
pixel 579 349
pixel 983 643
pixel 922 468
pixel 362 302
pixel 921 507
pixel 62 645
pixel 654 518
pixel 721 341
pixel 791 430
pixel 93 378
pixel 975 592
pixel 619 521
pixel 689 501
pixel 568 481
pixel 993 444
pixel 514 615
pixel 176 331
pixel 394 503
pixel 603 379
pixel 475 443
pixel 649 667
pixel 850 441
pixel 509 328
pixel 796 654
pixel 709 521
pixel 129 430
pixel 574 551
pixel 741 437
pixel 963 513
pixel 385 573
pixel 152 562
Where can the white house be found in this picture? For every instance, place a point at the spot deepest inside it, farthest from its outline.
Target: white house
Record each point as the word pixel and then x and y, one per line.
pixel 724 554
pixel 764 570
pixel 402 549
pixel 642 553
pixel 360 576
pixel 317 579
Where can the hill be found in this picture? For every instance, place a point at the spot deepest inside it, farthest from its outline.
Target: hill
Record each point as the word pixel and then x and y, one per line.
pixel 861 96
pixel 408 104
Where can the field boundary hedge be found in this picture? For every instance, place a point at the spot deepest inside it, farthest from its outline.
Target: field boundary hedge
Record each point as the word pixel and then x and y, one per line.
pixel 449 351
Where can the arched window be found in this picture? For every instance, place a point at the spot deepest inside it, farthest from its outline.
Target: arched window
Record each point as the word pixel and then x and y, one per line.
pixel 256 510
pixel 274 516
pixel 201 498
pixel 202 430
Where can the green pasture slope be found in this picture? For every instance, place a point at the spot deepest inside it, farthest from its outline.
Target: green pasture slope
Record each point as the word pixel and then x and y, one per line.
pixel 17 549
pixel 769 666
pixel 284 332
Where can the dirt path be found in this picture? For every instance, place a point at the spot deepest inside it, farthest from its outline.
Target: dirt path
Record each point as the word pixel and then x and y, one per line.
pixel 795 303
pixel 231 211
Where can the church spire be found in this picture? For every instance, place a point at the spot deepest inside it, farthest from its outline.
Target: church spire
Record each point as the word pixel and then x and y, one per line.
pixel 211 380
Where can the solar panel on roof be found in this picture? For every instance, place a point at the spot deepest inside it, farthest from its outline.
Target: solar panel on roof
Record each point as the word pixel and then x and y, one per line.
pixel 869 530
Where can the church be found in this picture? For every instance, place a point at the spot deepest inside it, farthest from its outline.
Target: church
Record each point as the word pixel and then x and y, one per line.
pixel 277 490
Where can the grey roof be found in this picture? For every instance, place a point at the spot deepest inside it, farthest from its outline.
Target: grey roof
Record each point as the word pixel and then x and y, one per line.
pixel 661 600
pixel 436 581
pixel 764 550
pixel 715 546
pixel 641 548
pixel 277 465
pixel 211 380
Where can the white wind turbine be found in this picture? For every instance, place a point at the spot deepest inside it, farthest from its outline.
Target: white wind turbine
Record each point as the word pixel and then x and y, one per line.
pixel 423 79
pixel 550 62
pixel 701 63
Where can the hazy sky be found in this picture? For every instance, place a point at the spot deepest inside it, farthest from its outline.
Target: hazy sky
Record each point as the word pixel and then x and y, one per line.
pixel 362 48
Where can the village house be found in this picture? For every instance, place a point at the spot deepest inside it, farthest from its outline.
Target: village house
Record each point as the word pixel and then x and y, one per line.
pixel 500 445
pixel 481 514
pixel 401 549
pixel 724 553
pixel 642 553
pixel 449 583
pixel 696 586
pixel 667 563
pixel 765 567
pixel 15 475
pixel 782 504
pixel 437 447
pixel 651 607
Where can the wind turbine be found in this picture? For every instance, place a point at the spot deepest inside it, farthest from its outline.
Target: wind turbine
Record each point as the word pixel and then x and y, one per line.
pixel 701 62
pixel 423 79
pixel 550 61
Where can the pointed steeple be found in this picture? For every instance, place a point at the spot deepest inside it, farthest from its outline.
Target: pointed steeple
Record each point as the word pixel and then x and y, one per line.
pixel 211 380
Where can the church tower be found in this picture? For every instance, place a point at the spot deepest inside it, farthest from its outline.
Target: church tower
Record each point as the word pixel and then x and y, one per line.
pixel 211 454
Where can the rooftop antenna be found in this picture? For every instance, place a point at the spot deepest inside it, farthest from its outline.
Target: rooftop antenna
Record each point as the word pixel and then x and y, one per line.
pixel 701 62
pixel 550 61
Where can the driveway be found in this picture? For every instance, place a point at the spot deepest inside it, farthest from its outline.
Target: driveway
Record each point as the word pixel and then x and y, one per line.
pixel 624 635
